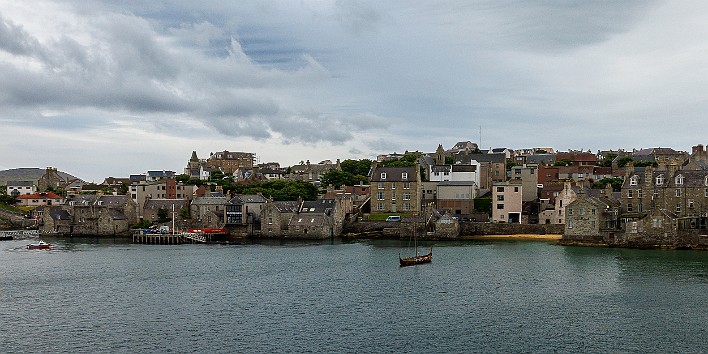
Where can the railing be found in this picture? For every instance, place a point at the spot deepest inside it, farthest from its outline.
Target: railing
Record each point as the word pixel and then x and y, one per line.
pixel 20 233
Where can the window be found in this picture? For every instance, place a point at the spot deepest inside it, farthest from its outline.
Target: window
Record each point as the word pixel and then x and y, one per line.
pixel 393 196
pixel 380 206
pixel 404 175
pixel 380 195
pixel 393 186
pixel 381 185
pixel 639 193
pixel 406 206
pixel 640 207
pixel 705 193
pixel 678 192
pixel 570 211
pixel 500 189
pixel 407 185
pixel 629 207
pixel 678 207
pixel 570 224
pixel 705 181
pixel 630 193
pixel 634 180
pixel 679 180
pixel 383 175
pixel 659 180
pixel 580 175
pixel 516 189
pixel 500 197
pixel 690 203
pixel 592 211
pixel 406 196
pixel 593 224
pixel 581 211
pixel 500 206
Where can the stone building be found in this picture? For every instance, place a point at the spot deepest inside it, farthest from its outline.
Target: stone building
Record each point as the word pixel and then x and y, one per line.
pixel 275 216
pixel 228 161
pixel 395 189
pixel 203 209
pixel 591 218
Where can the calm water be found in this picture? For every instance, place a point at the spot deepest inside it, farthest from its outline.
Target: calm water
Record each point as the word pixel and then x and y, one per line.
pixel 530 296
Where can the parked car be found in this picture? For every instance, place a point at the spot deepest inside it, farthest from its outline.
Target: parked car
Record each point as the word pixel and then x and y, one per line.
pixel 394 218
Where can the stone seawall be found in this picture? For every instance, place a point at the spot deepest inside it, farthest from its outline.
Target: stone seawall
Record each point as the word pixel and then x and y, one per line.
pixel 382 229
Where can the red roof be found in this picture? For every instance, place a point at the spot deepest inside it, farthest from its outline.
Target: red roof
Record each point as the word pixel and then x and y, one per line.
pixel 43 195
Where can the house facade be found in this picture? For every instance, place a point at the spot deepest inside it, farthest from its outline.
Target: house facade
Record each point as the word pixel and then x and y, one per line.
pixel 507 202
pixel 18 188
pixel 395 189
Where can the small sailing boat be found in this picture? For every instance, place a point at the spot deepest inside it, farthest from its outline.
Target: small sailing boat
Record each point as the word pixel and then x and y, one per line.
pixel 418 258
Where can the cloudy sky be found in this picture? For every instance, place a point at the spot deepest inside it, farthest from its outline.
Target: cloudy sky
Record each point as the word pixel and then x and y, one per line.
pixel 112 88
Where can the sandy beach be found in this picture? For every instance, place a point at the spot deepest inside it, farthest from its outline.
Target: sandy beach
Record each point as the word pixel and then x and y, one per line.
pixel 517 236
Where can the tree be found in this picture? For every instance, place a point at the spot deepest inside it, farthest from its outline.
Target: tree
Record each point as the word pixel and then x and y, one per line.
pixel 185 213
pixel 336 178
pixel 607 160
pixel 163 215
pixel 123 189
pixel 356 167
pixel 449 160
pixel 540 151
pixel 563 162
pixel 623 161
pixel 184 178
pixel 616 183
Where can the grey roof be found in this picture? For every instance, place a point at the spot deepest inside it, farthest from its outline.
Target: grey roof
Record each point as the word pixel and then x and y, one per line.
pixel 86 199
pixel 317 206
pixel 540 158
pixel 114 199
pixel 209 201
pixel 307 219
pixel 247 198
pixel 20 183
pixel 286 206
pixel 394 174
pixel 465 159
pixel 455 183
pixel 58 214
pixel 154 204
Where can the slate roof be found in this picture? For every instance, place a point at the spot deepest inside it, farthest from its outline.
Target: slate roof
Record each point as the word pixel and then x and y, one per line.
pixel 209 201
pixel 58 214
pixel 119 200
pixel 466 159
pixel 394 174
pixel 20 183
pixel 307 220
pixel 155 204
pixel 286 206
pixel 541 158
pixel 247 198
pixel 321 206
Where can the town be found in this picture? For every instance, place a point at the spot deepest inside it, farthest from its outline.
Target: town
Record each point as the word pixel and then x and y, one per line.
pixel 646 198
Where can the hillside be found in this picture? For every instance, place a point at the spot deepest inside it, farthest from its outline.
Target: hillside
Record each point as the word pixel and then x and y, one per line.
pixel 27 174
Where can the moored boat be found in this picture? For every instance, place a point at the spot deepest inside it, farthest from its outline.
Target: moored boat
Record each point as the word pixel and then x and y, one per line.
pixel 418 259
pixel 41 245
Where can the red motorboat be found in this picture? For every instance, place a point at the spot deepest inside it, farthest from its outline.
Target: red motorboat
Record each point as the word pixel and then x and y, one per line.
pixel 40 246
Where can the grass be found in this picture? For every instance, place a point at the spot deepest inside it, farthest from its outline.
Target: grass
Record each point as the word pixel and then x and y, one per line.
pixel 382 217
pixel 10 208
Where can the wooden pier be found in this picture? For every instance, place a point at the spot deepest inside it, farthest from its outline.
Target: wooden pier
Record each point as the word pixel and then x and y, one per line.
pixel 152 238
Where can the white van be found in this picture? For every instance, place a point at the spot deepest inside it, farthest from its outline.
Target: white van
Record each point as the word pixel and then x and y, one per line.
pixel 394 218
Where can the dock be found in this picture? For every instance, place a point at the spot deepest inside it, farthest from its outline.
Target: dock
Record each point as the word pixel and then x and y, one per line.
pixel 164 238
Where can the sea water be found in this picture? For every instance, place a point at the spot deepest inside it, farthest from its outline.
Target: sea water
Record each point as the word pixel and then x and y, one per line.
pixel 93 295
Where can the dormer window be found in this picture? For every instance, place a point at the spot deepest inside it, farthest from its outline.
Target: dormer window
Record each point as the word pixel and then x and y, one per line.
pixel 634 180
pixel 679 180
pixel 404 175
pixel 659 180
pixel 383 175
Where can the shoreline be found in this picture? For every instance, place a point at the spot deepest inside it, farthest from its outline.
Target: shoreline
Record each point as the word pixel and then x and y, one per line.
pixel 547 237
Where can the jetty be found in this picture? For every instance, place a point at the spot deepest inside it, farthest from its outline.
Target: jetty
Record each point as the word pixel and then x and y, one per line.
pixel 18 234
pixel 150 237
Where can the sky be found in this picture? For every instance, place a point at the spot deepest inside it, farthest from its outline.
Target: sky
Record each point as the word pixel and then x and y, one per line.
pixel 113 88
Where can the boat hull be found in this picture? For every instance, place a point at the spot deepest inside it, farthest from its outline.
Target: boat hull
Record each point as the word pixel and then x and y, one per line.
pixel 409 261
